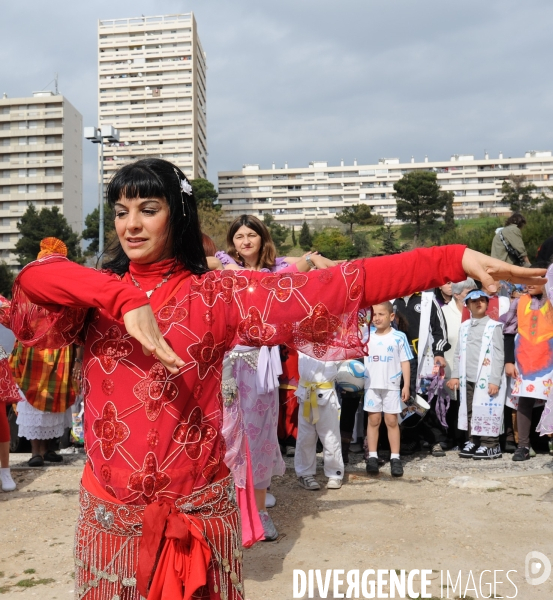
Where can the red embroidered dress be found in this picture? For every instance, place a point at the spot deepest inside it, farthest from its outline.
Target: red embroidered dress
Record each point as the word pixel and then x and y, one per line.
pixel 153 439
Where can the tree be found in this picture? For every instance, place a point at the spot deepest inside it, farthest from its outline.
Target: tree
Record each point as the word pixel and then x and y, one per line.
pixel 390 245
pixel 419 200
pixel 449 215
pixel 518 193
pixel 294 241
pixel 279 232
pixel 6 280
pixel 205 193
pixel 306 240
pixel 35 226
pixel 92 229
pixel 333 244
pixel 213 224
pixel 358 214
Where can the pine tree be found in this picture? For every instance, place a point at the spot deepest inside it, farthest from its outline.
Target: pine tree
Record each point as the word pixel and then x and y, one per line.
pixel 6 281
pixel 306 240
pixel 449 215
pixel 294 242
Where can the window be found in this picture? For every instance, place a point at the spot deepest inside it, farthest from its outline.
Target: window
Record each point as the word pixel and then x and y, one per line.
pixel 22 141
pixel 22 172
pixel 5 189
pixel 33 124
pixel 31 188
pixel 22 189
pixel 32 139
pixel 22 124
pixel 31 172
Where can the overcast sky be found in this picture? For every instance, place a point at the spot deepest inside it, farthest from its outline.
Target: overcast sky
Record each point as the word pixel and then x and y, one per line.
pixel 300 80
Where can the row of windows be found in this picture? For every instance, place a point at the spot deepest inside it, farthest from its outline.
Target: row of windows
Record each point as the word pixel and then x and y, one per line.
pixel 31 140
pixel 30 188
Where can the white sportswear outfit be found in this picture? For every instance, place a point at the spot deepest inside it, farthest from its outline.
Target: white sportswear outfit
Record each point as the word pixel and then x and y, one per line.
pixel 327 421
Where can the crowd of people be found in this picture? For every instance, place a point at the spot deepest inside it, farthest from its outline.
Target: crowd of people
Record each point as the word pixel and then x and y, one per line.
pixel 201 368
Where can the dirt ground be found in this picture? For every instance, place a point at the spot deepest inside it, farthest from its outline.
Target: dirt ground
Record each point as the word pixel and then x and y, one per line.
pixel 422 521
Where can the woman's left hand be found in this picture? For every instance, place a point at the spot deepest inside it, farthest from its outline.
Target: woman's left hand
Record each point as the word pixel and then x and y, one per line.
pixel 489 270
pixel 141 324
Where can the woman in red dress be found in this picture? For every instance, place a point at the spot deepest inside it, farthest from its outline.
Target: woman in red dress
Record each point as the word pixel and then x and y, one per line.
pixel 158 513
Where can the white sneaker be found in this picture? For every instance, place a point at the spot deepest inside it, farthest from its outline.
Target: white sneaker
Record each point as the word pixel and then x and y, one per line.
pixel 334 483
pixel 270 500
pixel 8 484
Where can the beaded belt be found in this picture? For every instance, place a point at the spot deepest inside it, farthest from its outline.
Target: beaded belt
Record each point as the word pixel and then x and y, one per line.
pixel 107 565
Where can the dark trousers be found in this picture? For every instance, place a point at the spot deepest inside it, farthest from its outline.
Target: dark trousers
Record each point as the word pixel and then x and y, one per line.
pixel 350 404
pixel 477 440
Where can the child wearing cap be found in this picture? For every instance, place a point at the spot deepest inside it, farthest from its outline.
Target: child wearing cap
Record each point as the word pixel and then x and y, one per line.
pixel 478 373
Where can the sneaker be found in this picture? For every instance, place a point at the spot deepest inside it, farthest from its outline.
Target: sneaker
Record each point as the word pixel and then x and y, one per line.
pixel 8 484
pixel 269 528
pixel 396 468
pixel 550 446
pixel 484 453
pixel 308 482
pixel 372 466
pixel 510 447
pixel 334 483
pixel 437 450
pixel 521 454
pixel 468 450
pixel 290 451
pixel 270 500
pixel 532 452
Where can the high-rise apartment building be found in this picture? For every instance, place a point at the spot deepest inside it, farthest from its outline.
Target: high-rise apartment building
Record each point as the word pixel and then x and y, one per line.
pixel 41 160
pixel 319 191
pixel 152 88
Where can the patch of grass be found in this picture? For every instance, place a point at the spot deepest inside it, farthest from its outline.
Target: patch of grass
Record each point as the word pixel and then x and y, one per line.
pixel 492 490
pixel 1 573
pixel 27 583
pixel 56 492
pixel 29 571
pixel 524 495
pixel 4 589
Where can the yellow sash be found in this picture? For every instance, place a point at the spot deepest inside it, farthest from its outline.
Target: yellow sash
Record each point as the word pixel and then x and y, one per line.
pixel 312 405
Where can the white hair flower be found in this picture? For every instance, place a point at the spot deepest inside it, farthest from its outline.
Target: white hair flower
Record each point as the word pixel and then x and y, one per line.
pixel 186 187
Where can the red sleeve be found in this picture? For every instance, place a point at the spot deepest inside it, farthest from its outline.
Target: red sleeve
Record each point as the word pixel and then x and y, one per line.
pixel 51 297
pixel 5 310
pixel 317 312
pixel 389 277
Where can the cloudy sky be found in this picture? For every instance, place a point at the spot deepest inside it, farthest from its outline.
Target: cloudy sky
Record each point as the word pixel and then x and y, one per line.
pixel 300 80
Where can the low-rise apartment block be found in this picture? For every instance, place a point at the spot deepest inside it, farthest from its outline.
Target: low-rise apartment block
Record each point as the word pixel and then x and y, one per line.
pixel 320 190
pixel 41 162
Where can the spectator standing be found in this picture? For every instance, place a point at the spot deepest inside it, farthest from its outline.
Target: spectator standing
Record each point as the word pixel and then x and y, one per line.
pixel 508 245
pixel 478 373
pixel 528 334
pixel 386 384
pixel 427 336
pixel 318 416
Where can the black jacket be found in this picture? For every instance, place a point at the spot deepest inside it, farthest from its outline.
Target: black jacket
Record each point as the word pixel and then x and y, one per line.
pixel 412 312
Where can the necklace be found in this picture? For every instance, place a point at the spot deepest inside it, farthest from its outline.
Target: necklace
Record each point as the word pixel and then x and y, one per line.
pixel 150 292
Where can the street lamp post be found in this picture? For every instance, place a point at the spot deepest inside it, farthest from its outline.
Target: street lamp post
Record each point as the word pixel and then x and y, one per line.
pixel 99 135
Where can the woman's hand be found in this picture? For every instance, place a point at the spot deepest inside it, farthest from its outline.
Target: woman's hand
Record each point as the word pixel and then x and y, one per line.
pixel 141 324
pixel 321 262
pixel 214 264
pixel 489 270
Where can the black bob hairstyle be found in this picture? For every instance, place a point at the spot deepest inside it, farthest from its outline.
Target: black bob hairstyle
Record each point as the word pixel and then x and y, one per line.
pixel 157 178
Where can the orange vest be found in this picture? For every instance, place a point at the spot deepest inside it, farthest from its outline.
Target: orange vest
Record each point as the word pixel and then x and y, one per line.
pixel 534 352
